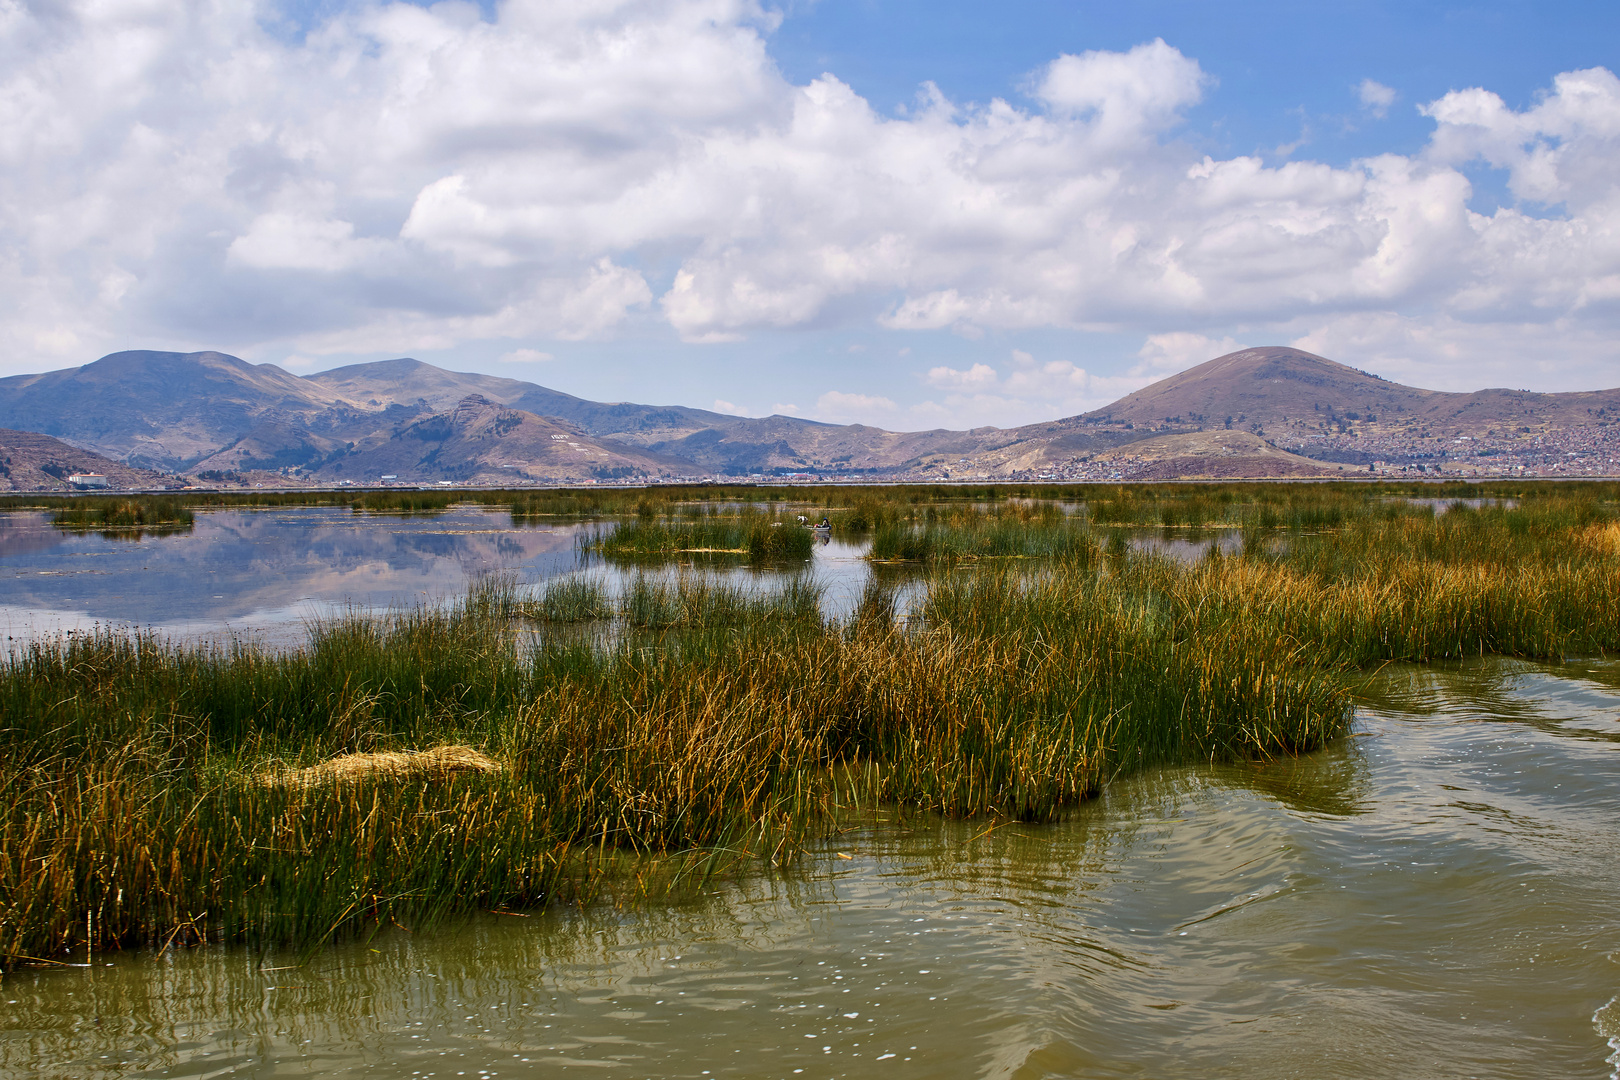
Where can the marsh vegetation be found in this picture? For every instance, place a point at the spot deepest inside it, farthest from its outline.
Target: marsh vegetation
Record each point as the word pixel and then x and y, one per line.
pixel 708 722
pixel 117 514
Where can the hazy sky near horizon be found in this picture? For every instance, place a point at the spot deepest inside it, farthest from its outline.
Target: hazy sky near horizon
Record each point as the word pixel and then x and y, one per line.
pixel 906 214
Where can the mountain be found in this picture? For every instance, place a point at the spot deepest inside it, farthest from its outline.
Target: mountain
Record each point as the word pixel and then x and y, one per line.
pixel 1317 408
pixel 226 420
pixel 30 461
pixel 411 382
pixel 1264 385
pixel 483 442
pixel 157 409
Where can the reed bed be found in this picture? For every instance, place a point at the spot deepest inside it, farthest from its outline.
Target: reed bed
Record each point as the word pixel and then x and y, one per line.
pixel 136 811
pixel 1010 530
pixel 570 600
pixel 121 513
pixel 716 722
pixel 751 533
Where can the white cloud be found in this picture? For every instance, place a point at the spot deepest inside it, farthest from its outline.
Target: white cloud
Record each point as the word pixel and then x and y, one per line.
pixel 1030 391
pixel 1166 354
pixel 1375 97
pixel 977 377
pixel 1126 97
pixel 525 356
pixel 840 408
pixel 407 178
pixel 722 406
pixel 785 410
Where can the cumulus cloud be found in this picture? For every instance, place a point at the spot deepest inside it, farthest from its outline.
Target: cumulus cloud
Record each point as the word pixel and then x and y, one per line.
pixel 1375 97
pixel 405 178
pixel 838 407
pixel 1023 391
pixel 525 356
pixel 1166 354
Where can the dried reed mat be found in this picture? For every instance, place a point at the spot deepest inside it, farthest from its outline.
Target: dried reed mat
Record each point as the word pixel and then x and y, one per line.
pixel 436 764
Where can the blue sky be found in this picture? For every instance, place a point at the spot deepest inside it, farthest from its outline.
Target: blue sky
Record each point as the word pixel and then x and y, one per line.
pixel 900 213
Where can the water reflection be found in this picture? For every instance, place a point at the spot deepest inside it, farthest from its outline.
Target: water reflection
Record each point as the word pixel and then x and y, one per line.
pixel 258 568
pixel 265 574
pixel 1433 898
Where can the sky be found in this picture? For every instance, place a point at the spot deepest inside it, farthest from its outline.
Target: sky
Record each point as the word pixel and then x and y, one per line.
pixel 903 214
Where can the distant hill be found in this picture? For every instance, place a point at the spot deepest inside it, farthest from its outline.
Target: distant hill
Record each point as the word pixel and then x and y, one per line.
pixel 1277 386
pixel 216 415
pixel 482 442
pixel 156 409
pixel 30 461
pixel 1264 385
pixel 1321 409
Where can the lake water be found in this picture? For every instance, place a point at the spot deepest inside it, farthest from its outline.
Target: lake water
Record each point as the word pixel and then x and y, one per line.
pixel 1433 897
pixel 264 575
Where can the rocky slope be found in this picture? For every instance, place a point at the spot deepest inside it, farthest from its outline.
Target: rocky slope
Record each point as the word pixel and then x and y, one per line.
pixel 483 442
pixel 30 461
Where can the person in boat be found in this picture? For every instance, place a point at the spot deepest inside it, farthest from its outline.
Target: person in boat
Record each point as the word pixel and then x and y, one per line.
pixel 825 524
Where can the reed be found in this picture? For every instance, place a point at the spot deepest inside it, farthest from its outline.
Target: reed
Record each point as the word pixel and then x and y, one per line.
pixel 404 502
pixel 751 533
pixel 123 514
pixel 1010 530
pixel 135 809
pixel 571 599
pixel 714 721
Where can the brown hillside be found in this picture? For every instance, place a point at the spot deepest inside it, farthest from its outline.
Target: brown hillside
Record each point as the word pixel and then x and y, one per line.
pixel 482 442
pixel 1277 387
pixel 1213 455
pixel 32 462
pixel 1265 385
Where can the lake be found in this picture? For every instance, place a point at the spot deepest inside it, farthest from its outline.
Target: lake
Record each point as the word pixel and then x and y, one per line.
pixel 1433 896
pixel 264 575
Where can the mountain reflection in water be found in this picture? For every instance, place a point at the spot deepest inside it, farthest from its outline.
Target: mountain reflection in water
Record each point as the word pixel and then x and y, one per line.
pixel 267 570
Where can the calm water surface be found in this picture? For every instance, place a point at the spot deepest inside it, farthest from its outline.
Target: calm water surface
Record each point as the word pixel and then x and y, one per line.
pixel 1434 897
pixel 266 574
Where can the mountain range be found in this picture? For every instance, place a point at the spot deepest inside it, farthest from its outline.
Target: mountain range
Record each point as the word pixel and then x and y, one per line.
pixel 1272 411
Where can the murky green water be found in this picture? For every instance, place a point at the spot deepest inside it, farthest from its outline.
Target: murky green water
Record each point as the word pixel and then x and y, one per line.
pixel 1435 897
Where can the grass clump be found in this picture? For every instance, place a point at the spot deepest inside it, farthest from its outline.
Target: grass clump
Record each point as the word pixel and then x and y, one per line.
pixel 403 502
pixel 1010 530
pixel 114 515
pixel 571 600
pixel 751 533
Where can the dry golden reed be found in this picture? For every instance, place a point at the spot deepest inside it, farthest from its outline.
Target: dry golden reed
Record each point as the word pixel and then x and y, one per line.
pixel 437 763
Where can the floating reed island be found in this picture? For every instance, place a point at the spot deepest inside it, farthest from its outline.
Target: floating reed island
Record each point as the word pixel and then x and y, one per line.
pixel 528 745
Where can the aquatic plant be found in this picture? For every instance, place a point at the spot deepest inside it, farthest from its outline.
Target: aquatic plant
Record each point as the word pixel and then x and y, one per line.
pixel 571 599
pixel 733 721
pixel 1013 530
pixel 135 809
pixel 757 535
pixel 122 513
